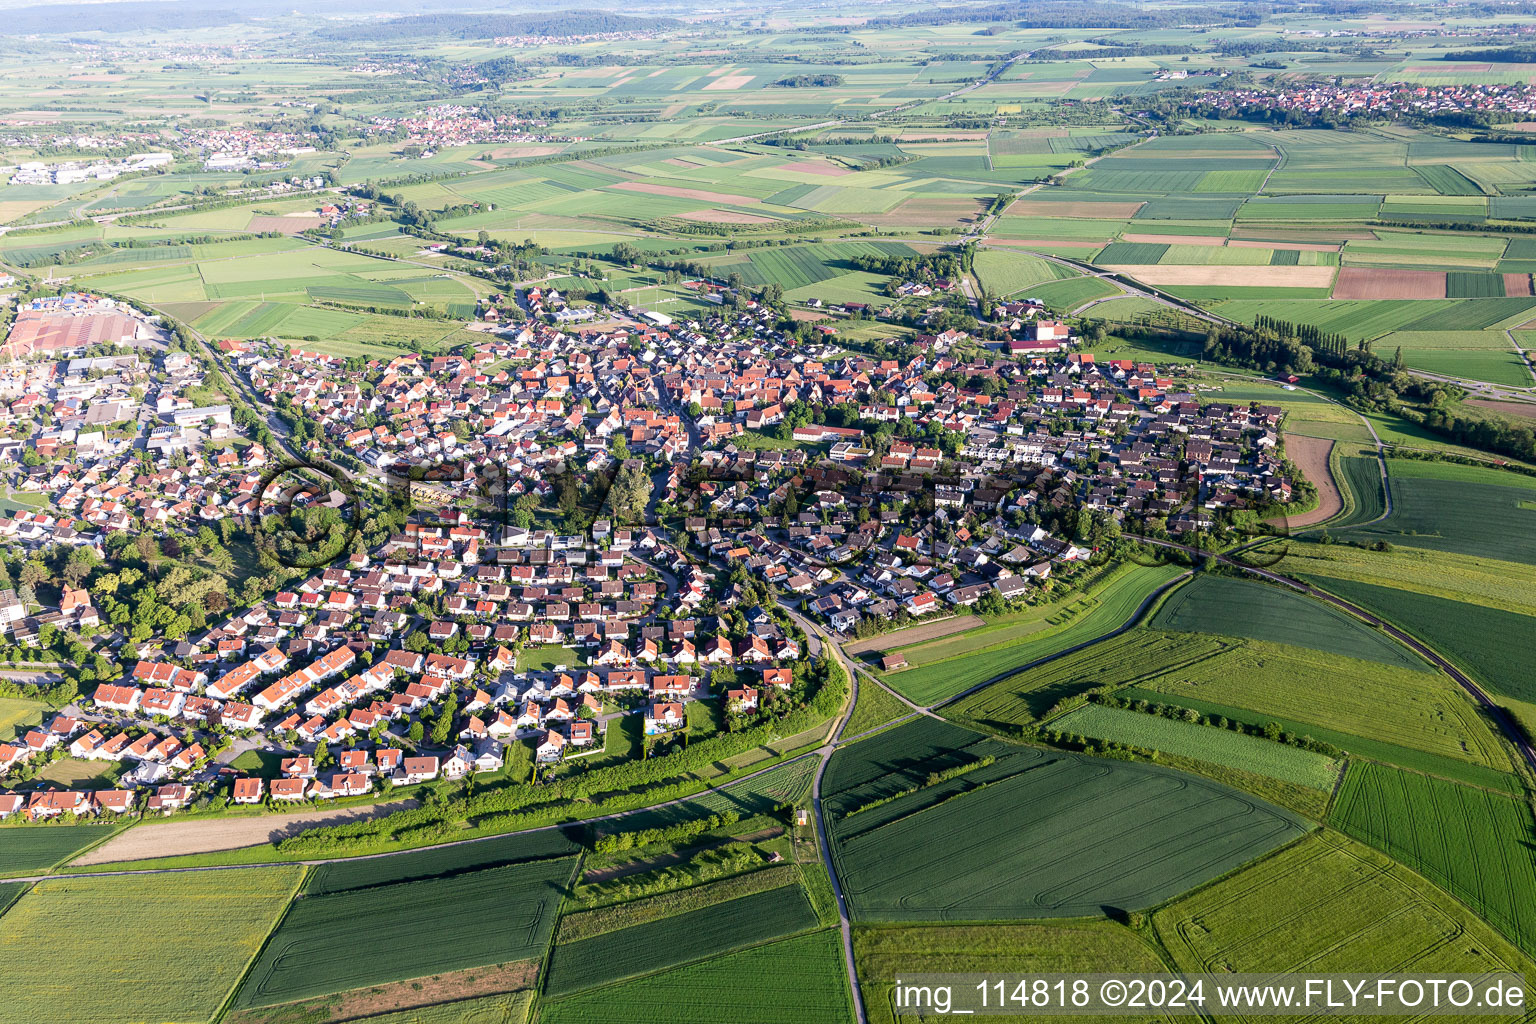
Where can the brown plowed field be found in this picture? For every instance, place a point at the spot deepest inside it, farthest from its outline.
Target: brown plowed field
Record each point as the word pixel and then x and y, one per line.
pixel 1523 410
pixel 180 838
pixel 1212 240
pixel 1516 285
pixel 1374 283
pixel 287 225
pixel 916 634
pixel 1310 454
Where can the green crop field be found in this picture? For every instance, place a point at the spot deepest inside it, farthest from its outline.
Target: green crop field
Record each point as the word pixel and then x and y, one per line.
pixel 1473 514
pixel 579 925
pixel 800 979
pixel 1361 475
pixel 128 947
pixel 1508 586
pixel 339 876
pixel 1111 607
pixel 1153 832
pixel 315 949
pixel 1488 642
pixel 1357 746
pixel 1131 253
pixel 1007 273
pixel 29 850
pixel 1238 607
pixel 1422 710
pixel 1327 904
pixel 1475 844
pixel 1207 743
pixel 1371 318
pixel 671 941
pixel 1070 294
pixel 885 953
pixel 1123 660
pixel 10 892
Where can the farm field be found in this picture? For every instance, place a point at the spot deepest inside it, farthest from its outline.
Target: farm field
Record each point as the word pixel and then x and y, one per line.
pixel 944 668
pixel 1207 743
pixel 1487 642
pixel 886 952
pixel 577 925
pixel 1357 746
pixel 1460 509
pixel 1420 710
pixel 33 850
pixel 1362 485
pixel 749 984
pixel 1004 273
pixel 1258 611
pixel 1473 843
pixel 1128 658
pixel 1508 586
pixel 1479 355
pixel 511 1008
pixel 339 876
pixel 312 953
pixel 1328 904
pixel 671 941
pixel 138 968
pixel 1156 833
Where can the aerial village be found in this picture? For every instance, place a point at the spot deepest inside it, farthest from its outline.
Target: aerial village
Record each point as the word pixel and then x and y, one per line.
pixel 751 483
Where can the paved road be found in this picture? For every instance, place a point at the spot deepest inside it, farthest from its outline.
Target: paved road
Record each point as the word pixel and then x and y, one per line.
pixel 821 821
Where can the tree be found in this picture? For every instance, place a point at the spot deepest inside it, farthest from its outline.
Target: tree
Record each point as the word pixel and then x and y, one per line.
pixel 33 573
pixel 322 755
